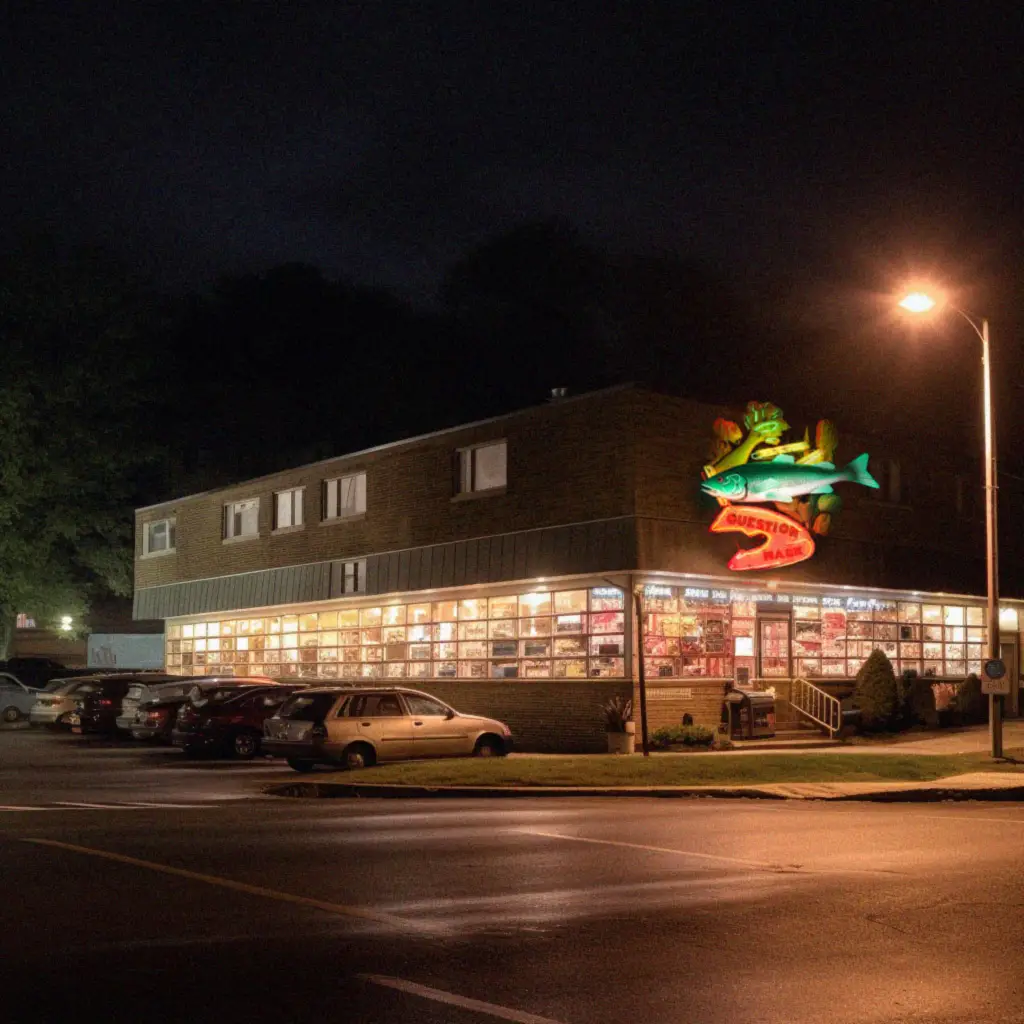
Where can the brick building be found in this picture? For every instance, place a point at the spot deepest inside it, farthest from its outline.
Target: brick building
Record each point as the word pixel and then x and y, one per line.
pixel 493 565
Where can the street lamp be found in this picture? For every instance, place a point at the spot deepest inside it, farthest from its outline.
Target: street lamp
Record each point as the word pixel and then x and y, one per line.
pixel 921 302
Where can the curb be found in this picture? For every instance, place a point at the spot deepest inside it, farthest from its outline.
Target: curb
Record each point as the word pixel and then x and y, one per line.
pixel 341 790
pixel 334 790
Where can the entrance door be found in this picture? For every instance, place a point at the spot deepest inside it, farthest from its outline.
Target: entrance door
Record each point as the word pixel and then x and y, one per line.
pixel 773 647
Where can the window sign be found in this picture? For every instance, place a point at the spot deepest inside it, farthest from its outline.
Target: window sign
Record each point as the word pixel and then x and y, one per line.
pixel 782 493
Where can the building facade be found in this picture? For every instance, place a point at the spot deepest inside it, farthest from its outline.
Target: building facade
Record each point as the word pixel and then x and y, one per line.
pixel 494 565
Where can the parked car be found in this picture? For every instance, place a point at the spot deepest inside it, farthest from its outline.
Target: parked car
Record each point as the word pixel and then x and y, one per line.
pixel 98 703
pixel 16 699
pixel 56 702
pixel 357 727
pixel 142 691
pixel 155 719
pixel 231 722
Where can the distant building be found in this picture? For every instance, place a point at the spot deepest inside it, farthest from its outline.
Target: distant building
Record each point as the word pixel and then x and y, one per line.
pixel 112 639
pixel 493 565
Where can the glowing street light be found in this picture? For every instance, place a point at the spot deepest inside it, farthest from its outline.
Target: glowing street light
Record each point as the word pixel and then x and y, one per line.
pixel 921 302
pixel 917 302
pixel 65 623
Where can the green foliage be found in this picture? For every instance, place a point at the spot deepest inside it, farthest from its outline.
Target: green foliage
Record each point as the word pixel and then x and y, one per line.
pixel 681 735
pixel 916 701
pixel 876 694
pixel 971 703
pixel 73 350
pixel 765 420
pixel 617 712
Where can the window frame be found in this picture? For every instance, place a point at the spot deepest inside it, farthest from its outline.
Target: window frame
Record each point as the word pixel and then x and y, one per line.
pixel 171 524
pixel 298 502
pixel 358 575
pixel 226 516
pixel 335 482
pixel 465 471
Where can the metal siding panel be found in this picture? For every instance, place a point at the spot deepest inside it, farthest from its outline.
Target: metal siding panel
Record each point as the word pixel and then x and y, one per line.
pixel 460 563
pixel 482 560
pixel 508 556
pixel 371 574
pixel 404 558
pixel 393 565
pixel 520 563
pixel 561 558
pixel 448 565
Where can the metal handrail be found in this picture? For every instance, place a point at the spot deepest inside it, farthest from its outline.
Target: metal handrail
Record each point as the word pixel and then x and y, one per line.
pixel 819 706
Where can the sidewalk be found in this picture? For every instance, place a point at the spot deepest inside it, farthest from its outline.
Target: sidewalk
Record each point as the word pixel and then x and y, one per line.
pixel 974 786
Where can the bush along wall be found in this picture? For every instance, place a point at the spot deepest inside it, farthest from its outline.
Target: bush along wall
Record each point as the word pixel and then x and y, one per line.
pixel 877 694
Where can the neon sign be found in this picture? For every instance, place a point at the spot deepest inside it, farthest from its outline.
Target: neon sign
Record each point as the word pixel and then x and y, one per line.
pixel 753 470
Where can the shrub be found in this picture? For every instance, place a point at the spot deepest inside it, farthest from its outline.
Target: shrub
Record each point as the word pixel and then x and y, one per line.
pixel 681 735
pixel 877 694
pixel 971 702
pixel 917 705
pixel 617 712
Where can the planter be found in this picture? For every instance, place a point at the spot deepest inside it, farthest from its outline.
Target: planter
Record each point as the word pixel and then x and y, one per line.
pixel 622 742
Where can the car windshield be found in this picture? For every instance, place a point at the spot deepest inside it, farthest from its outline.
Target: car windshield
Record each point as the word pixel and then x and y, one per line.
pixel 309 707
pixel 93 687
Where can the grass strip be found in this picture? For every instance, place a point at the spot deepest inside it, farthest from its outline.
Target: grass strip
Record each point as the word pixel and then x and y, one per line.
pixel 690 770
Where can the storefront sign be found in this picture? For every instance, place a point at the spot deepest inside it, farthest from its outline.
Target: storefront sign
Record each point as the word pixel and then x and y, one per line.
pixel 669 693
pixel 795 479
pixel 785 541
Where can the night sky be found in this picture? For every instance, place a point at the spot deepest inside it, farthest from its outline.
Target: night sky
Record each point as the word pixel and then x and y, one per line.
pixel 837 144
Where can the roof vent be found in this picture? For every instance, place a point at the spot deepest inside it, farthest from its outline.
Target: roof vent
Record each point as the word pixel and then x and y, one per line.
pixel 559 393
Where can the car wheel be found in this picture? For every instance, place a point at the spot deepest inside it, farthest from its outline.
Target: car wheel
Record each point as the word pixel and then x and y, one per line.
pixel 11 714
pixel 489 746
pixel 298 765
pixel 357 756
pixel 245 745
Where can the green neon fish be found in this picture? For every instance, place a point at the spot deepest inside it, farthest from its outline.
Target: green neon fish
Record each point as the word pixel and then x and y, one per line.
pixel 783 479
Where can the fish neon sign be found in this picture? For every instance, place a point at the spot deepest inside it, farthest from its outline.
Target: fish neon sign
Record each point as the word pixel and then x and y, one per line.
pixel 748 472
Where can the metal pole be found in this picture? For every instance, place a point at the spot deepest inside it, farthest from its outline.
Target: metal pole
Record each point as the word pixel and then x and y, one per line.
pixel 995 706
pixel 638 603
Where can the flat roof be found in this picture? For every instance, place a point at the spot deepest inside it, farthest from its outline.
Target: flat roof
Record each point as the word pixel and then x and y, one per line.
pixel 396 444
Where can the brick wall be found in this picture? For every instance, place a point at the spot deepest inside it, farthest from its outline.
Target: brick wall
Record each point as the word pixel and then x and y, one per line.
pixel 545 716
pixel 569 461
pixel 667 702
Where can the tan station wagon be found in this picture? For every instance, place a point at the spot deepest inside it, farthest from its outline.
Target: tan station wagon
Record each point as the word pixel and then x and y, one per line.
pixel 357 727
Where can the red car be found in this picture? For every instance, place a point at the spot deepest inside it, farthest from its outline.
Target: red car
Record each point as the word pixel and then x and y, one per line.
pixel 229 720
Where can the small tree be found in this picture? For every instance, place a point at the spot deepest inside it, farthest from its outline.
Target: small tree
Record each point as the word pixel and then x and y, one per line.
pixel 971 702
pixel 917 701
pixel 876 693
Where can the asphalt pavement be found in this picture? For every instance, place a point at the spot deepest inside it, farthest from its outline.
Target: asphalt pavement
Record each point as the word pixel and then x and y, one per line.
pixel 221 904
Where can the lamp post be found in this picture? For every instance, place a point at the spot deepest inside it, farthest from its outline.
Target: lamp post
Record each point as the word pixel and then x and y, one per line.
pixel 919 302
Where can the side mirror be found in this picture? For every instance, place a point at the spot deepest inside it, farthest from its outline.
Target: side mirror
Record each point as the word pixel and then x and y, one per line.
pixel 449 714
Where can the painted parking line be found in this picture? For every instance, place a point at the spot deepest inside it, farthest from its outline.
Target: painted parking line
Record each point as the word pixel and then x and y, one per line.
pixel 439 996
pixel 338 909
pixel 764 865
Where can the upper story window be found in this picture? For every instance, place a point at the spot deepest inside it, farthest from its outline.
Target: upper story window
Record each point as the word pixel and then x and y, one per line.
pixel 344 496
pixel 482 467
pixel 354 578
pixel 242 519
pixel 288 508
pixel 24 621
pixel 158 536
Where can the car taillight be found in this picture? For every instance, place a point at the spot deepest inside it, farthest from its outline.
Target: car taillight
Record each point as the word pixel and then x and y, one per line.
pixel 105 702
pixel 319 732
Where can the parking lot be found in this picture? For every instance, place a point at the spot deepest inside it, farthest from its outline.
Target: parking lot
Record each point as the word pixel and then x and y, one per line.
pixel 141 884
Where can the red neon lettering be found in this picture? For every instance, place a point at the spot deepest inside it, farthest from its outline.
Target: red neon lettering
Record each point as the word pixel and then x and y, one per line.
pixel 785 542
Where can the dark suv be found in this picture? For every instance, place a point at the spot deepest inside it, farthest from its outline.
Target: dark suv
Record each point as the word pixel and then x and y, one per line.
pixel 98 702
pixel 229 720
